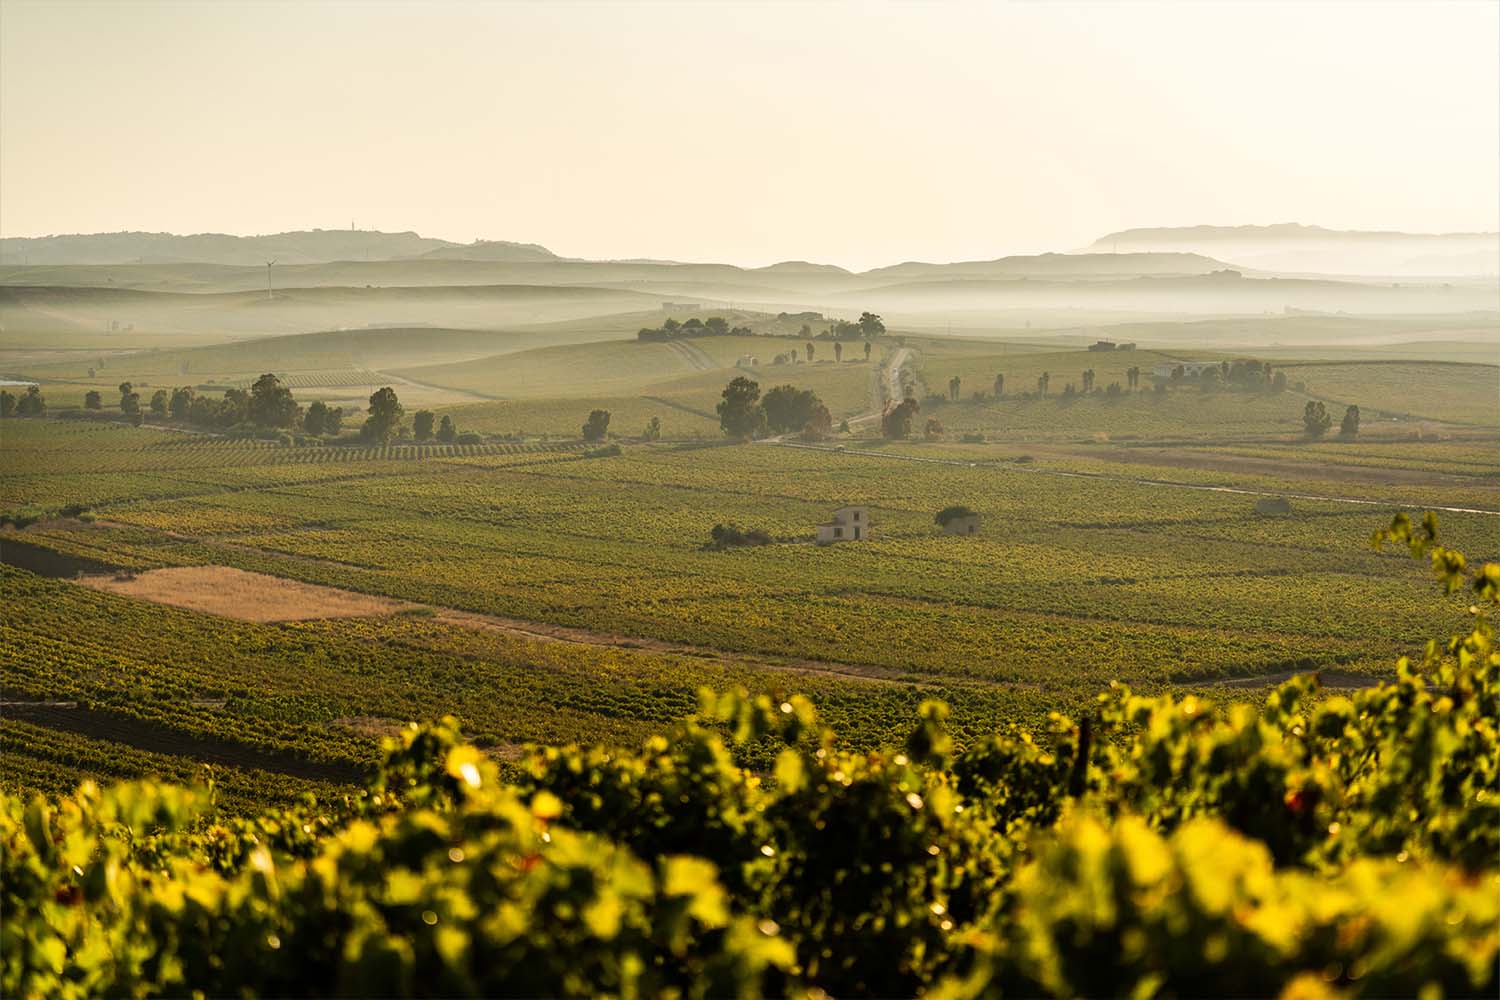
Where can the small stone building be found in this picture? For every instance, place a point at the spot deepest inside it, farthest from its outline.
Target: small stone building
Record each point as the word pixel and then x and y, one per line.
pixel 848 524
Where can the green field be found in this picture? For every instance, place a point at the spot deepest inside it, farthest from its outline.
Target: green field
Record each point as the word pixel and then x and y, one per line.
pixel 553 595
pixel 1082 550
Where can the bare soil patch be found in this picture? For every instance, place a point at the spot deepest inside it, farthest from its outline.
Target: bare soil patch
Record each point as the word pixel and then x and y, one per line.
pixel 235 593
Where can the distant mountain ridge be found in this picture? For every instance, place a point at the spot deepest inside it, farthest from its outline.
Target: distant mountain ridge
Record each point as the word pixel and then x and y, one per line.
pixel 1277 231
pixel 1293 247
pixel 315 246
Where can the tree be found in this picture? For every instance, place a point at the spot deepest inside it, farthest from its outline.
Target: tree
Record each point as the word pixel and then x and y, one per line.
pixel 809 347
pixel 91 400
pixel 951 514
pixel 934 429
pixel 819 423
pixel 181 403
pixel 271 403
pixel 788 408
pixel 653 430
pixel 421 425
pixel 871 326
pixel 1278 382
pixel 716 326
pixel 868 347
pixel 1042 381
pixel 159 402
pixel 1315 419
pixel 31 403
pixel 446 432
pixel 7 404
pixel 1349 426
pixel 838 351
pixel 740 414
pixel 999 386
pixel 895 423
pixel 805 333
pixel 1133 377
pixel 596 426
pixel 130 403
pixel 1088 380
pixel 321 418
pixel 384 417
pixel 955 384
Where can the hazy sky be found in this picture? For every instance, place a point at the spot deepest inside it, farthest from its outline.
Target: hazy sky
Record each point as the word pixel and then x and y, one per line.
pixel 854 134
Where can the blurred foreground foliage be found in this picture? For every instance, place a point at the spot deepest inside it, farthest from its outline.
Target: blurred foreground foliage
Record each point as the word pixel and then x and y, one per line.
pixel 1316 844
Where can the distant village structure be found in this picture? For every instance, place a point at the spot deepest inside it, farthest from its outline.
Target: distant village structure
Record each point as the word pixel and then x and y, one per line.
pixel 848 524
pixel 1110 345
pixel 747 361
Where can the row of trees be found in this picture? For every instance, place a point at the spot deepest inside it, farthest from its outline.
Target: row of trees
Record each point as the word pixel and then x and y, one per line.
pixel 714 326
pixel 1316 420
pixel 744 414
pixel 267 405
pixel 869 326
pixel 30 403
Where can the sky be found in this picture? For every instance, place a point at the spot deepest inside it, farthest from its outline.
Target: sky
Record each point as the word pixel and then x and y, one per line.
pixel 859 134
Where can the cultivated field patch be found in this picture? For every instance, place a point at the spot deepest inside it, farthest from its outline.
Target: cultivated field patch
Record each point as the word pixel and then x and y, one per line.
pixel 236 593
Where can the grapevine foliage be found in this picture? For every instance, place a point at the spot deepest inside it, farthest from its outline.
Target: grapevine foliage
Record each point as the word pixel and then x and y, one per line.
pixel 1314 844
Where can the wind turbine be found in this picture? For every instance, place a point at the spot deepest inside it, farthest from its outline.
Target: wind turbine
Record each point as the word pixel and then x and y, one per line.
pixel 268 279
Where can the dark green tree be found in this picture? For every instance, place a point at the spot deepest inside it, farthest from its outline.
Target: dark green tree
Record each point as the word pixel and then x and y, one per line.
pixel 1315 419
pixel 596 427
pixel 312 417
pixel 384 415
pixel 653 430
pixel 1349 426
pixel 896 422
pixel 159 402
pixel 32 403
pixel 7 404
pixel 271 403
pixel 871 326
pixel 446 432
pixel 421 425
pixel 181 403
pixel 740 413
pixel 788 408
pixel 91 400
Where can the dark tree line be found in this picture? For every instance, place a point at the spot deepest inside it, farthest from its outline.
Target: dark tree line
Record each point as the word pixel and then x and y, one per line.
pixel 744 413
pixel 30 403
pixel 714 326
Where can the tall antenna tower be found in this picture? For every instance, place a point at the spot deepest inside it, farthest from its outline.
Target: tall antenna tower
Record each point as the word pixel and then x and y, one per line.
pixel 269 295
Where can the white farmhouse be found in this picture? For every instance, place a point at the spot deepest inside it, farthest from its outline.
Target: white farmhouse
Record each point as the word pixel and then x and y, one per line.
pixel 849 524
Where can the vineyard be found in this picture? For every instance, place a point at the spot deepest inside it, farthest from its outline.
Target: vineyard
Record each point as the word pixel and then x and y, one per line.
pixel 1309 844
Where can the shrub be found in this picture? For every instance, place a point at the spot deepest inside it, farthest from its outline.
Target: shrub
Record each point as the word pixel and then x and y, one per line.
pixel 730 536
